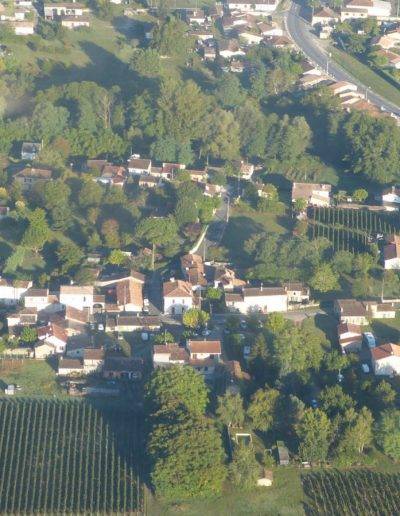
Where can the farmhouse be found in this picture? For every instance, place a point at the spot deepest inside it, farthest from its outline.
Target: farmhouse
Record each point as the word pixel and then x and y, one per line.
pixel 139 166
pixel 297 292
pixel 204 356
pixel 314 194
pixel 79 297
pixel 386 359
pixel 130 323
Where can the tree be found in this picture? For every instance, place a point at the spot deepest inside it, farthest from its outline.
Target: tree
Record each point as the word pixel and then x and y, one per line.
pixel 117 257
pixel 164 338
pixel 146 61
pixel 360 195
pixel 230 410
pixel 314 432
pixel 55 193
pixel 69 255
pixel 221 138
pixel 186 456
pixel 194 317
pixel 342 262
pixel 388 433
pixel 300 205
pixel 186 212
pixel 48 121
pixel 262 408
pixel 356 437
pixel 110 232
pixel 384 394
pixel 229 92
pixel 213 294
pixel 335 401
pixel 61 217
pixel 174 386
pixel 38 231
pixel 244 469
pixel 29 335
pixel 324 278
pixel 90 194
pixel 157 231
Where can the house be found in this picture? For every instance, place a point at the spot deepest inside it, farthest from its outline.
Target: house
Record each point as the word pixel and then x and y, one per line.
pixel 178 297
pixel 169 354
pixel 53 335
pixel 43 350
pixel 71 21
pixel 55 11
pixel 309 81
pixel 93 360
pixel 11 291
pixel 386 359
pixel 245 169
pixel 122 368
pixel 201 35
pixel 23 27
pixel 297 292
pixel 149 182
pixel 204 356
pixel 210 190
pixel 391 58
pixel 351 311
pixel 314 194
pixel 249 37
pixel 355 9
pixel 229 48
pixel 278 42
pixel 221 276
pixel 112 175
pixel 269 29
pixel 37 298
pixel 389 40
pixel 195 17
pixel 24 317
pixel 139 166
pixel 380 310
pixel 29 177
pixel 69 366
pixel 198 176
pixel 128 295
pixel 391 253
pixel 391 198
pixel 130 323
pixel 324 16
pixel 193 270
pixel 261 7
pixel 350 337
pixel 30 150
pixel 257 300
pixel 341 87
pixel 209 53
pixel 77 296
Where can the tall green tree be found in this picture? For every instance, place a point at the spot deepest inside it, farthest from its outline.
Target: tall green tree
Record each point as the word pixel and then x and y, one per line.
pixel 38 231
pixel 314 432
pixel 230 410
pixel 157 231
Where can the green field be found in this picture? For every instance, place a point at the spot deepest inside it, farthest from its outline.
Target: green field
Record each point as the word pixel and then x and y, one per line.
pixel 35 377
pixel 67 457
pixel 366 76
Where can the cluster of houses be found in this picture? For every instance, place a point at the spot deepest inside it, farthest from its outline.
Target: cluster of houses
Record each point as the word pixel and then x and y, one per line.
pixel 353 316
pixel 22 15
pixel 325 17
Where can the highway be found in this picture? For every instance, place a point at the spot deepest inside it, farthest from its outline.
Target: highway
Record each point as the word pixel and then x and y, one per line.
pixel 300 32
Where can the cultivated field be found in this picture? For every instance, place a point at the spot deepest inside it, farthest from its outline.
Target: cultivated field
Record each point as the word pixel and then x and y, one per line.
pixel 67 457
pixel 350 229
pixel 358 492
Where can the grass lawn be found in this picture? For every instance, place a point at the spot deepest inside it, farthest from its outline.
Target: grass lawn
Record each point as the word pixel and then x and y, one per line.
pixel 245 222
pixel 386 330
pixel 367 76
pixel 285 497
pixel 37 378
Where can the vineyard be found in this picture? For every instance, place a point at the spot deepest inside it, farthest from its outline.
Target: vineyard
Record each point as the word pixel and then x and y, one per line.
pixel 350 230
pixel 358 493
pixel 67 457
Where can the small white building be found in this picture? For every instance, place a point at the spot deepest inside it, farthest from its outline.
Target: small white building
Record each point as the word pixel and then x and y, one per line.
pixel 165 355
pixel 37 298
pixel 386 359
pixel 178 297
pixel 351 311
pixel 203 349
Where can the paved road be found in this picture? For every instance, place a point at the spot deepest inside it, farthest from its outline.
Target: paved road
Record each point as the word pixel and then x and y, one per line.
pixel 216 229
pixel 300 32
